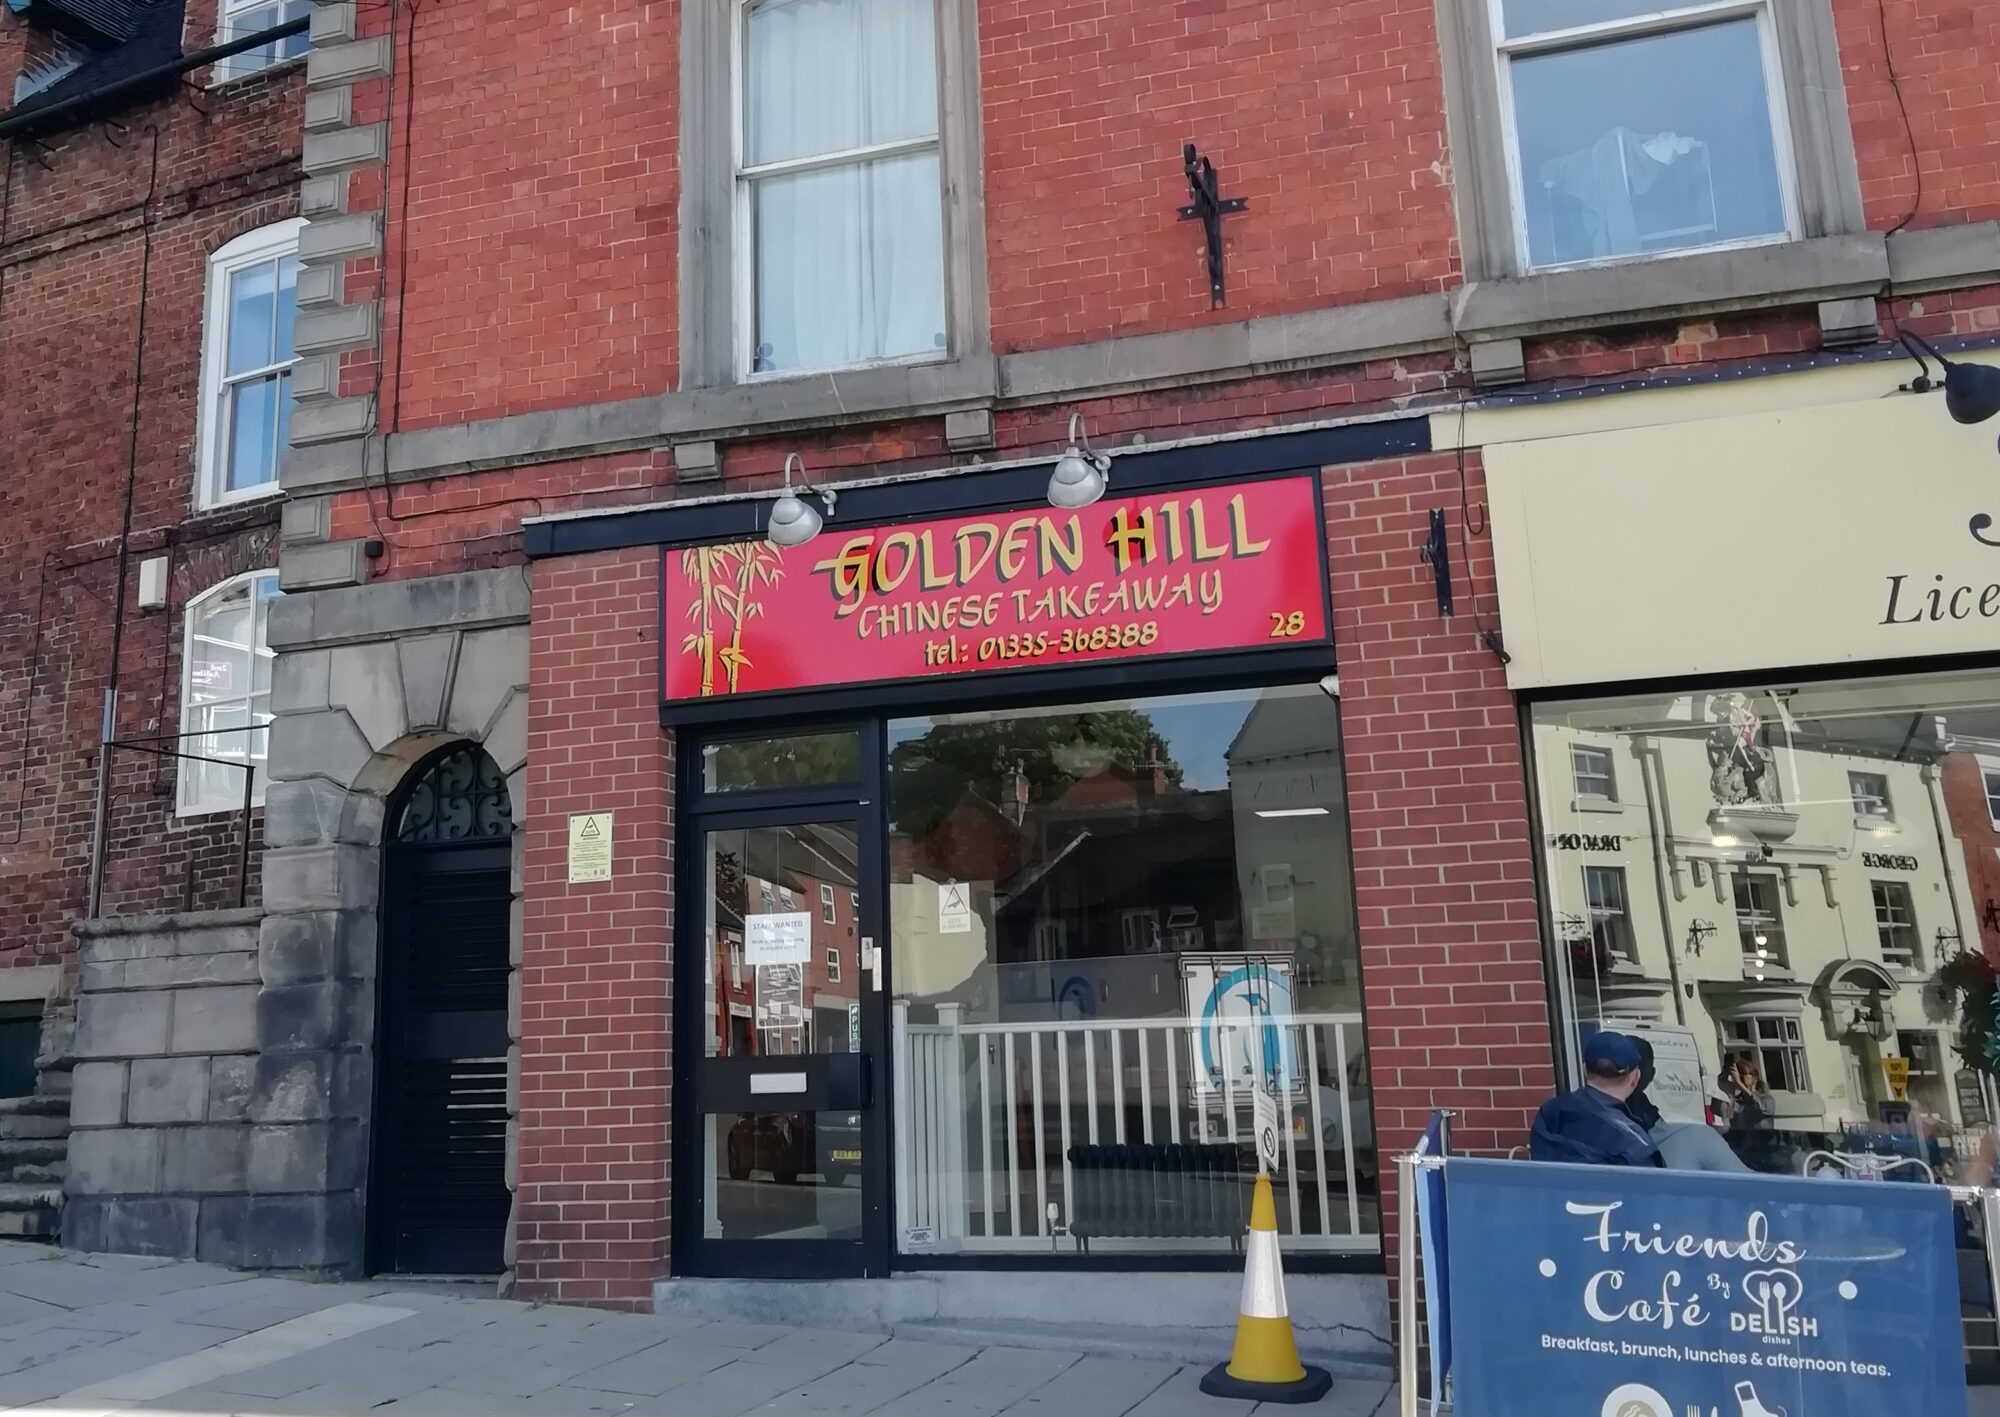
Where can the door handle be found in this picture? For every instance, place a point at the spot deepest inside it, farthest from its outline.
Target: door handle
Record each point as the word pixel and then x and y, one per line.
pixel 871 960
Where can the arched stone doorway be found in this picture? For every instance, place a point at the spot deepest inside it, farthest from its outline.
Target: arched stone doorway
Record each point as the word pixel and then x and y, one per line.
pixel 437 1196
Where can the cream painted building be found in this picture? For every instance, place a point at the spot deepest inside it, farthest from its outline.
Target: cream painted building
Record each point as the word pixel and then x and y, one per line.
pixel 1796 928
pixel 1748 619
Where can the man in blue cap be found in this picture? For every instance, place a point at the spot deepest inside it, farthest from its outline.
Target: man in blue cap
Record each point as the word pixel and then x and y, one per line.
pixel 1594 1125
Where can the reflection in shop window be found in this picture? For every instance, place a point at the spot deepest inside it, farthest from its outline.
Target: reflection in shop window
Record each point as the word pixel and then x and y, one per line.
pixel 1869 791
pixel 1161 921
pixel 1822 815
pixel 1896 924
pixel 1590 771
pixel 1760 927
pixel 1610 919
pixel 1774 1046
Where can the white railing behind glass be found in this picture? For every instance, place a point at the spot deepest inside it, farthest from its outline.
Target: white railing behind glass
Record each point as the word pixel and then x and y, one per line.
pixel 986 1115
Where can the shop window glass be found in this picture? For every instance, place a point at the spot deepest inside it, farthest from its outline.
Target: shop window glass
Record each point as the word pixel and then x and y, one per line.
pixel 1783 929
pixel 786 760
pixel 1161 920
pixel 773 1175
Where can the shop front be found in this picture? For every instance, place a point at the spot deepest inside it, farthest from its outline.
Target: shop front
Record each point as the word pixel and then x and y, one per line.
pixel 1759 653
pixel 1018 857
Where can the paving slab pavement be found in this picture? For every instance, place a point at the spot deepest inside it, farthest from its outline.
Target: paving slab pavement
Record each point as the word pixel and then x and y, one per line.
pixel 115 1336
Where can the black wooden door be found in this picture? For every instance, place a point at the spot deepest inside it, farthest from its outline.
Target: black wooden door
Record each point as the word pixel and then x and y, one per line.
pixel 438 1201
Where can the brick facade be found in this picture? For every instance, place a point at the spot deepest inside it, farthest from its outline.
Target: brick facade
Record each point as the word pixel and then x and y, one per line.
pixel 1455 1002
pixel 1962 781
pixel 73 238
pixel 591 1211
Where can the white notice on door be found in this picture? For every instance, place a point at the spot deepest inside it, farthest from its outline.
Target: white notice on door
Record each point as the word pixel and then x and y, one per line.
pixel 1264 1115
pixel 954 908
pixel 781 938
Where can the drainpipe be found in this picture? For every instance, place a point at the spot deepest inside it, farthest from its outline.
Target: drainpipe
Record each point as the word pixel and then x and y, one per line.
pixel 1662 863
pixel 108 725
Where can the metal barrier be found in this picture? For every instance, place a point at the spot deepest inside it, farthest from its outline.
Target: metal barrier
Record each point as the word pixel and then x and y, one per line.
pixel 989 1116
pixel 1984 1199
pixel 216 848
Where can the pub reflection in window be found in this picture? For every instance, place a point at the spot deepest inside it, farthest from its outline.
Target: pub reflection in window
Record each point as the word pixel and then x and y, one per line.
pixel 1796 941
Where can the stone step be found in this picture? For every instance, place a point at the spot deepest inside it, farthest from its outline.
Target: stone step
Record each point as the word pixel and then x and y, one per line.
pixel 30 1212
pixel 33 1118
pixel 34 1105
pixel 34 1160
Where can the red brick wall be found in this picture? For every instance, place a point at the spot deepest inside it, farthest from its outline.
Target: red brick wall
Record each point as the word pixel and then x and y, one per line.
pixel 1453 991
pixel 70 255
pixel 591 1211
pixel 542 174
pixel 542 166
pixel 1943 54
pixel 1964 787
pixel 1328 118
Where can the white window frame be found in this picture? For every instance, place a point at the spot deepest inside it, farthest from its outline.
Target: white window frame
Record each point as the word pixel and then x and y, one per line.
pixel 1989 779
pixel 1793 1044
pixel 744 177
pixel 828 911
pixel 1860 797
pixel 832 965
pixel 1626 945
pixel 1778 957
pixel 242 66
pixel 266 243
pixel 1883 894
pixel 185 805
pixel 1577 775
pixel 1666 21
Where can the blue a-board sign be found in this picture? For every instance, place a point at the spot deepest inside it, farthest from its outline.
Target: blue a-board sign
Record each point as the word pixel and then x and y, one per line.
pixel 1606 1291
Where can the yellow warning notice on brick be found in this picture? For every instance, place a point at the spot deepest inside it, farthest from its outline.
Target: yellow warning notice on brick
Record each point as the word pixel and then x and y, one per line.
pixel 589 846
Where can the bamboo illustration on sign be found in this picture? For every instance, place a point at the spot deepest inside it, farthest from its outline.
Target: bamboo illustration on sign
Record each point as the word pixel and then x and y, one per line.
pixel 725 579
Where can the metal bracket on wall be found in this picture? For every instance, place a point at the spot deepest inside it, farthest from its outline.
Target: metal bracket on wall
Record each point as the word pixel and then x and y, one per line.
pixel 1436 553
pixel 1209 209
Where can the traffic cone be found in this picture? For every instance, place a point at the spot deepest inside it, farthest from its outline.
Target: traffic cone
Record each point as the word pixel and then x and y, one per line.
pixel 1264 1366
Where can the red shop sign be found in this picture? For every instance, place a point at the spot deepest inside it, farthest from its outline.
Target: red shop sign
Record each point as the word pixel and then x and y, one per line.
pixel 1179 571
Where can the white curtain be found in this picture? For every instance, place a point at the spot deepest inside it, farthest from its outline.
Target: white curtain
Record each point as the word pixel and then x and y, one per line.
pixel 849 259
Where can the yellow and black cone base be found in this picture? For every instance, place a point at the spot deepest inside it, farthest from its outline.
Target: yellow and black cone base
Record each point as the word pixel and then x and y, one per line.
pixel 1264 1366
